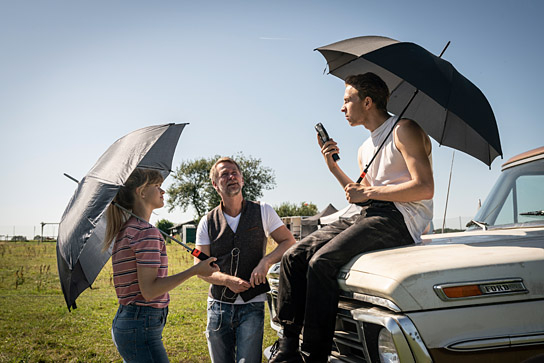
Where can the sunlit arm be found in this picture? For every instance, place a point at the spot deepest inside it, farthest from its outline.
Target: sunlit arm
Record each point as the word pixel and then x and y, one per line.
pixel 152 286
pixel 328 149
pixel 284 238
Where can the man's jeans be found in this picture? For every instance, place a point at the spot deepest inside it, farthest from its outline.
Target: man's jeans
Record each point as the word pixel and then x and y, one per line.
pixel 308 287
pixel 137 333
pixel 235 332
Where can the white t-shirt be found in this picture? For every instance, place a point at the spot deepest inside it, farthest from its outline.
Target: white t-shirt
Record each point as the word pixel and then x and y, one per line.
pixel 271 222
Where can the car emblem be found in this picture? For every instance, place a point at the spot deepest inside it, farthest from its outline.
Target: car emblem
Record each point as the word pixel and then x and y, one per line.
pixel 480 289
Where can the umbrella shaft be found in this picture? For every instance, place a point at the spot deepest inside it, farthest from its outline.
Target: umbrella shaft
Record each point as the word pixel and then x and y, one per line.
pixel 197 253
pixel 363 174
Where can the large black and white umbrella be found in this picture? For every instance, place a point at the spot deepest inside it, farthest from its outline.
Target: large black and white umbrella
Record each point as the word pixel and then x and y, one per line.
pixel 449 107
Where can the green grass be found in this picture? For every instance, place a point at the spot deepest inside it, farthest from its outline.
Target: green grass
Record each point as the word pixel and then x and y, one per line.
pixel 36 326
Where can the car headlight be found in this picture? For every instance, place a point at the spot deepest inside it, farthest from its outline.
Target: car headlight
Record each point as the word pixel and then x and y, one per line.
pixel 386 347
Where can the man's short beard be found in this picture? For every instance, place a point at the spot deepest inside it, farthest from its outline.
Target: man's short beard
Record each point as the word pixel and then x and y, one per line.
pixel 232 193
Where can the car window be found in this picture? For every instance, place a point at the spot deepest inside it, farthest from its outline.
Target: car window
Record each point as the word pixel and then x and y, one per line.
pixel 516 198
pixel 525 196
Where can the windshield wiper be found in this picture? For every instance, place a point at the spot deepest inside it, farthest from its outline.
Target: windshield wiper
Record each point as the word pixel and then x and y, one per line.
pixel 473 222
pixel 533 213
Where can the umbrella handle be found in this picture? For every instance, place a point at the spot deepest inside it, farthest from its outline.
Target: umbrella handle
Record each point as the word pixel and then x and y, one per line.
pixel 199 254
pixel 362 176
pixel 194 251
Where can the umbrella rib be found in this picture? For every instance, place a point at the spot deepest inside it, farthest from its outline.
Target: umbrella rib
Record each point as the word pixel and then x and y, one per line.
pixel 342 65
pixel 441 141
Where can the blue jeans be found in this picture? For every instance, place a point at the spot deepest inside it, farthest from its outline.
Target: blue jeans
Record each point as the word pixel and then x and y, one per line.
pixel 137 333
pixel 235 332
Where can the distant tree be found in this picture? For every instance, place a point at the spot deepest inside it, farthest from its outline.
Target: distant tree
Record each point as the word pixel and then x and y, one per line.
pixel 287 209
pixel 164 225
pixel 18 239
pixel 192 186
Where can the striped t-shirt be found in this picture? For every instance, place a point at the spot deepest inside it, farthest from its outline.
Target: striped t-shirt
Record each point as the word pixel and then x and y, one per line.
pixel 138 244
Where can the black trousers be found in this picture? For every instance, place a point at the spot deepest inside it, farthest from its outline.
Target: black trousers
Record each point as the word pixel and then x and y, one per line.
pixel 308 288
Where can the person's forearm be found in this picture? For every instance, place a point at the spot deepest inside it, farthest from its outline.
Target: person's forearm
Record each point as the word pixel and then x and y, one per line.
pixel 277 253
pixel 217 278
pixel 233 283
pixel 339 174
pixel 151 288
pixel 284 239
pixel 406 192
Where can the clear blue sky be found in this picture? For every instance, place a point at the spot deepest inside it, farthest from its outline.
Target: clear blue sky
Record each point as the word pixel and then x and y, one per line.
pixel 77 75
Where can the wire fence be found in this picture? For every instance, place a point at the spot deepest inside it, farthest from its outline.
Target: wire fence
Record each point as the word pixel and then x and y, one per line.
pixel 49 231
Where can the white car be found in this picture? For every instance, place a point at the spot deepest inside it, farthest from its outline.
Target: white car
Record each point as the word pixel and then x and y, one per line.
pixel 473 296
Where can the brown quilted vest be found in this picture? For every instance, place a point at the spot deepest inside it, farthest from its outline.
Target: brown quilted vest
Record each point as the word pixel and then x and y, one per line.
pixel 237 253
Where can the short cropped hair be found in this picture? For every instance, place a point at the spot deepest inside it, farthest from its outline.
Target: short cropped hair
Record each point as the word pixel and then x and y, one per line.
pixel 370 85
pixel 224 159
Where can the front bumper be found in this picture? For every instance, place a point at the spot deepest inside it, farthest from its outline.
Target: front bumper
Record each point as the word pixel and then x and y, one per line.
pixel 356 333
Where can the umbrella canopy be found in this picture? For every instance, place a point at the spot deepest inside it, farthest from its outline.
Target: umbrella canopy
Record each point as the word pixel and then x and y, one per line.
pixel 83 224
pixel 449 107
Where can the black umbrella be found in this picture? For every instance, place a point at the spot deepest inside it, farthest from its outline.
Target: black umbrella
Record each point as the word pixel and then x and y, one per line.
pixel 425 88
pixel 83 224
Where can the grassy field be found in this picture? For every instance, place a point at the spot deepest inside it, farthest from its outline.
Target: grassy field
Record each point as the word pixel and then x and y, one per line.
pixel 36 326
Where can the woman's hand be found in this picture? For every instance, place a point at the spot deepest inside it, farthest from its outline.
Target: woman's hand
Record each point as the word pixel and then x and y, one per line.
pixel 206 267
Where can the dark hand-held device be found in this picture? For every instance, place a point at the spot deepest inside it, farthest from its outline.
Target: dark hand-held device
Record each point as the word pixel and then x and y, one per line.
pixel 325 137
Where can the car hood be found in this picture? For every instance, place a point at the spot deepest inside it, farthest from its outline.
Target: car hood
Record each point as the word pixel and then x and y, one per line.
pixel 407 275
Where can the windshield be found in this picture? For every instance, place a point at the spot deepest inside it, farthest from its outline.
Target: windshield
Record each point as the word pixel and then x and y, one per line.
pixel 517 197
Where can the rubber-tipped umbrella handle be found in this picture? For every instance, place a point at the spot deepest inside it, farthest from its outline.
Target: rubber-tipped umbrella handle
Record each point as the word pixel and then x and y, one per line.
pixel 199 254
pixel 361 177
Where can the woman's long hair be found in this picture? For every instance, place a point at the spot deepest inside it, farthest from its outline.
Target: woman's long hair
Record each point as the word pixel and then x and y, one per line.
pixel 125 198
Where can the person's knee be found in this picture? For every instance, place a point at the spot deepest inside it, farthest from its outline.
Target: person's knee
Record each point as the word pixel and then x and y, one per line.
pixel 285 259
pixel 316 263
pixel 290 255
pixel 322 267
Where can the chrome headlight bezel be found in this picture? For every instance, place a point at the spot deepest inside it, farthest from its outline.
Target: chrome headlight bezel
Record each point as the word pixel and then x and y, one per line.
pixel 386 347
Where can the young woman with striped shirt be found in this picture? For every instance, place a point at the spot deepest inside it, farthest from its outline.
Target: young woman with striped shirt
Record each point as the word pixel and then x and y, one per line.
pixel 140 269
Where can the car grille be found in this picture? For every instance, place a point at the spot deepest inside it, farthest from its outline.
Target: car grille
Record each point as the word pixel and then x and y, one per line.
pixel 348 343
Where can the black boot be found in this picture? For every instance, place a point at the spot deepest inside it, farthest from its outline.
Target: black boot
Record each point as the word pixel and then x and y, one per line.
pixel 286 349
